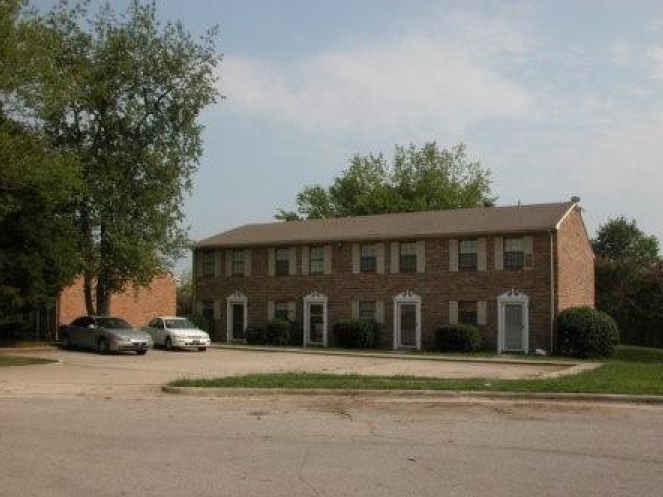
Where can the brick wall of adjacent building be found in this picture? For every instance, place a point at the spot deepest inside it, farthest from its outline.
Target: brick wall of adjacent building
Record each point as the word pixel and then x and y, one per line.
pixel 436 286
pixel 575 264
pixel 137 306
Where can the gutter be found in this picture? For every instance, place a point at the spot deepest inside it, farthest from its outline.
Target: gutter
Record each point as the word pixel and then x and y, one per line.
pixel 552 289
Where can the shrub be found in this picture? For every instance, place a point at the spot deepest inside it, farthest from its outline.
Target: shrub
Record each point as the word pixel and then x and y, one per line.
pixel 357 334
pixel 199 321
pixel 278 332
pixel 256 335
pixel 296 334
pixel 458 338
pixel 586 332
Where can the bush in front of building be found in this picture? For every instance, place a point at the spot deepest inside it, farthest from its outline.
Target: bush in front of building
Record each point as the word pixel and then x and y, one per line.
pixel 296 334
pixel 458 338
pixel 278 332
pixel 586 333
pixel 357 334
pixel 256 335
pixel 199 321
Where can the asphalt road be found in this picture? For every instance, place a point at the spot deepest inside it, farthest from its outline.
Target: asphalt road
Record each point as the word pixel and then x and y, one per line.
pixel 159 445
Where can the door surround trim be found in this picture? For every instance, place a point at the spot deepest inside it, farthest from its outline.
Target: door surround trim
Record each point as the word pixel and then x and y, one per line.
pixel 406 297
pixel 236 297
pixel 513 296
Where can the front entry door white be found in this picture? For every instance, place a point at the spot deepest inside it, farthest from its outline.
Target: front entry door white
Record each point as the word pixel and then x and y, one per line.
pixel 408 325
pixel 315 319
pixel 236 317
pixel 513 328
pixel 407 321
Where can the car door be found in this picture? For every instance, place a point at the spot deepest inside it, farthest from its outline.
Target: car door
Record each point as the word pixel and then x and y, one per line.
pixel 160 332
pixel 151 329
pixel 74 331
pixel 89 334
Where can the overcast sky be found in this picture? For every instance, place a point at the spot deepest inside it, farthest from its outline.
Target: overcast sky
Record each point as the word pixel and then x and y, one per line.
pixel 557 98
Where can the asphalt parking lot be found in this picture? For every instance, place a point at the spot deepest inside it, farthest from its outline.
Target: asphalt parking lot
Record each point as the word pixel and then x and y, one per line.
pixel 81 372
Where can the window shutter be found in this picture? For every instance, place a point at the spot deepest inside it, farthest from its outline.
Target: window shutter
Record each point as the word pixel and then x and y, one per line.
pixel 379 257
pixel 379 311
pixel 271 259
pixel 356 258
pixel 247 262
pixel 453 255
pixel 292 311
pixel 229 262
pixel 354 309
pixel 305 263
pixel 270 310
pixel 218 256
pixel 328 259
pixel 198 255
pixel 482 312
pixel 395 254
pixel 421 256
pixel 499 253
pixel 199 307
pixel 293 260
pixel 528 241
pixel 453 312
pixel 217 309
pixel 481 255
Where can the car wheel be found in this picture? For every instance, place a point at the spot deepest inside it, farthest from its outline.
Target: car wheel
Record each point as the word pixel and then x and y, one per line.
pixel 141 352
pixel 202 349
pixel 169 344
pixel 103 347
pixel 65 342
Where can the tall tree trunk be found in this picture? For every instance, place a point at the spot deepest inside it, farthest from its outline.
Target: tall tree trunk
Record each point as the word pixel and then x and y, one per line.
pixel 88 257
pixel 103 296
pixel 87 289
pixel 103 275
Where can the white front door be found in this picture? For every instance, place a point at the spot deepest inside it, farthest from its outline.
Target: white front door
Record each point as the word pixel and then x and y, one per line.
pixel 236 316
pixel 315 319
pixel 407 321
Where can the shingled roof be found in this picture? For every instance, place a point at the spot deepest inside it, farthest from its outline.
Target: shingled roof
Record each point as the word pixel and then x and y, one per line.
pixel 454 222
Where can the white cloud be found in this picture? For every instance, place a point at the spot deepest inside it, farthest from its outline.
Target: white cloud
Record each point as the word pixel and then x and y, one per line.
pixel 656 57
pixel 421 83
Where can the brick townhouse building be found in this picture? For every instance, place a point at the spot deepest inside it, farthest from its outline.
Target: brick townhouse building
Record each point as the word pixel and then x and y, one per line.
pixel 507 270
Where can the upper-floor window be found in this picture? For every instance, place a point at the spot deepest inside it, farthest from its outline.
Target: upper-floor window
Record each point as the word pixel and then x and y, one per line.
pixel 209 263
pixel 367 310
pixel 467 312
pixel 282 261
pixel 281 311
pixel 368 262
pixel 316 260
pixel 237 263
pixel 467 255
pixel 514 253
pixel 408 257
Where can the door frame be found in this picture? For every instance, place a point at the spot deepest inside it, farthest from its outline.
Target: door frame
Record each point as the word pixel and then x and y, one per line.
pixel 406 297
pixel 236 298
pixel 315 298
pixel 513 297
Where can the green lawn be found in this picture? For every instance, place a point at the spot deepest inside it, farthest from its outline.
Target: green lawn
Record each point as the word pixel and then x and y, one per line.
pixel 634 370
pixel 10 360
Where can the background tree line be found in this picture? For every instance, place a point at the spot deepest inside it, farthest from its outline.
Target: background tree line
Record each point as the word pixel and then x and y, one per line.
pixel 99 138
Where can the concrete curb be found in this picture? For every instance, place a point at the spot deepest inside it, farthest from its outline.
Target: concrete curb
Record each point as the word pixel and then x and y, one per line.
pixel 18 350
pixel 389 355
pixel 418 394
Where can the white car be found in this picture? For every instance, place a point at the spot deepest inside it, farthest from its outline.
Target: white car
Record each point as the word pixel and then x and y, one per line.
pixel 173 332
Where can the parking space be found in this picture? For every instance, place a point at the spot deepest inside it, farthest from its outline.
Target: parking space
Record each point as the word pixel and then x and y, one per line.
pixel 86 373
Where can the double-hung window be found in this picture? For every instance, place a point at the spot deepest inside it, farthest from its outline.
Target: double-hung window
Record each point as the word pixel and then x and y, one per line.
pixel 368 263
pixel 514 253
pixel 367 310
pixel 316 262
pixel 408 257
pixel 282 261
pixel 237 263
pixel 208 263
pixel 467 312
pixel 467 255
pixel 281 311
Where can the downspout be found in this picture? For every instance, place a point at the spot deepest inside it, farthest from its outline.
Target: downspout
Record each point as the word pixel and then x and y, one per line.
pixel 552 290
pixel 194 310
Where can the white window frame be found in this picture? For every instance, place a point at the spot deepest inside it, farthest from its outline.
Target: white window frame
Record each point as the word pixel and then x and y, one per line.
pixel 315 298
pixel 236 298
pixel 512 297
pixel 406 297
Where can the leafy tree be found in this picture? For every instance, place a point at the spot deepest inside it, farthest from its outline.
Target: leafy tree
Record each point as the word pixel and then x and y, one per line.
pixel 426 178
pixel 621 240
pixel 185 295
pixel 38 249
pixel 122 93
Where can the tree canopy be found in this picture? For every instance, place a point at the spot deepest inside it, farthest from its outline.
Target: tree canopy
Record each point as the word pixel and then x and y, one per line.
pixel 121 94
pixel 417 179
pixel 621 240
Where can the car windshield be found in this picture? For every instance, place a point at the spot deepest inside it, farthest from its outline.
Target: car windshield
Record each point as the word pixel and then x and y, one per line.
pixel 113 323
pixel 179 324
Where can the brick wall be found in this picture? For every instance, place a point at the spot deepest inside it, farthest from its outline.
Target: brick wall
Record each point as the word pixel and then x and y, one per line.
pixel 437 286
pixel 575 264
pixel 136 306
